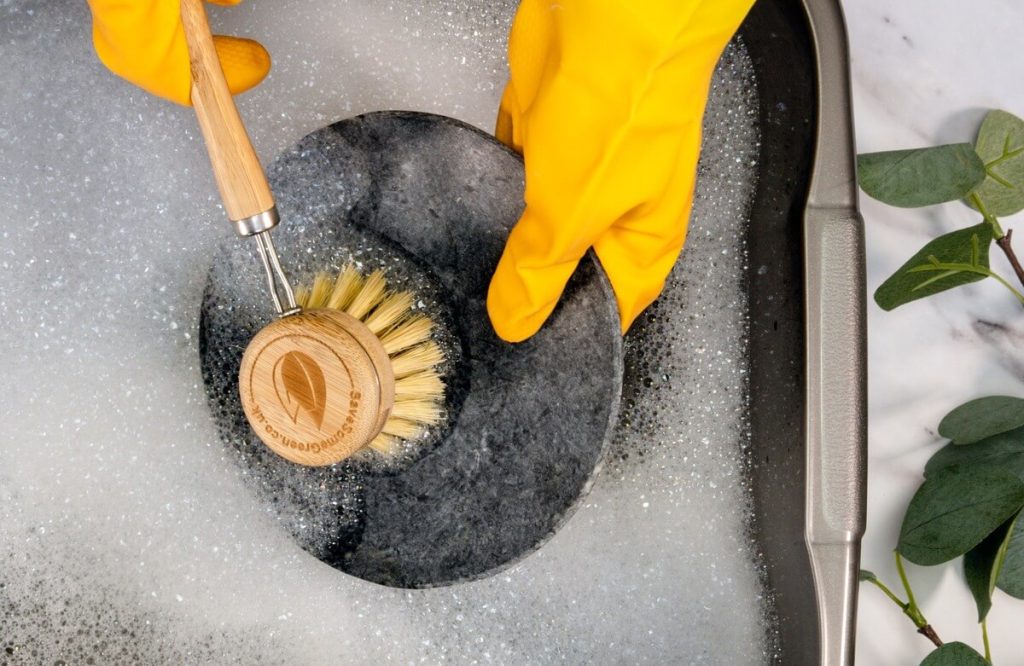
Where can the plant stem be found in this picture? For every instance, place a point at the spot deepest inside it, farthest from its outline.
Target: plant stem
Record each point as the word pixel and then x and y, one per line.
pixel 912 610
pixel 1002 239
pixel 997 230
pixel 903 578
pixel 889 593
pixel 984 638
pixel 1004 245
pixel 930 634
pixel 1006 284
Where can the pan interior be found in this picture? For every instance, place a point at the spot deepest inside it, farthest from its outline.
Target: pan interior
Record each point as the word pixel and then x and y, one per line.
pixel 430 200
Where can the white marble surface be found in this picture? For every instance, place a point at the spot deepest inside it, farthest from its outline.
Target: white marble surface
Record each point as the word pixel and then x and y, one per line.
pixel 925 72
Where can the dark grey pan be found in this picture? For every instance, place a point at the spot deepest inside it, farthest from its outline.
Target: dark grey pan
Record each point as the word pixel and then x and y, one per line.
pixel 430 200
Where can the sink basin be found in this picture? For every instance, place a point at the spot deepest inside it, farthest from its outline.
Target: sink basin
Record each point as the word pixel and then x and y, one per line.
pixel 717 524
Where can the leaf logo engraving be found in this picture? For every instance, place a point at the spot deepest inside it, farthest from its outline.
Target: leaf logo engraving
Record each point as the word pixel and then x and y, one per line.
pixel 300 386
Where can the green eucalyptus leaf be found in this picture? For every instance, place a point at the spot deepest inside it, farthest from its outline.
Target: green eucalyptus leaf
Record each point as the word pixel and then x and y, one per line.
pixel 915 279
pixel 984 563
pixel 867 576
pixel 955 509
pixel 1005 450
pixel 982 418
pixel 921 176
pixel 955 654
pixel 1011 578
pixel 1000 145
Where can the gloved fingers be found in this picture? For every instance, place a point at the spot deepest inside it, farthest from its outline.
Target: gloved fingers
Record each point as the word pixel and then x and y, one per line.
pixel 143 41
pixel 575 189
pixel 529 280
pixel 640 247
pixel 245 62
pixel 638 254
pixel 628 196
pixel 504 126
pixel 530 43
pixel 637 282
pixel 584 175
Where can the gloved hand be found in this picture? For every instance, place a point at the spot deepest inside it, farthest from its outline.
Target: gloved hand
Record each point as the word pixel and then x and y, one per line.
pixel 605 102
pixel 143 41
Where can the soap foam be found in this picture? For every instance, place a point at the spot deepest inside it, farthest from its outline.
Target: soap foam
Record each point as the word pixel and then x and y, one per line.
pixel 128 534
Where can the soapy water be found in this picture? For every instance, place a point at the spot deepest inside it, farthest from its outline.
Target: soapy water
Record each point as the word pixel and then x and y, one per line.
pixel 128 534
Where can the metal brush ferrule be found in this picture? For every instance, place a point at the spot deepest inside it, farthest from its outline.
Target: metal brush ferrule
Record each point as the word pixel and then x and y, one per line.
pixel 280 289
pixel 258 223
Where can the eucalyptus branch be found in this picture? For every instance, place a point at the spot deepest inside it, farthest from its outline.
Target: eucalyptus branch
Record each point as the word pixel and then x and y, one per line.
pixel 909 608
pixel 912 610
pixel 1004 245
pixel 987 174
pixel 1002 239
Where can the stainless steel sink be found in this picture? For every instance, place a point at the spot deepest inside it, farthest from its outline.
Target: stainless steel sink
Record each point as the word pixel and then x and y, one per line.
pixel 808 331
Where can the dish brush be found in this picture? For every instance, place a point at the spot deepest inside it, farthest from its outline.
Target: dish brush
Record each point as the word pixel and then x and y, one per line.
pixel 347 365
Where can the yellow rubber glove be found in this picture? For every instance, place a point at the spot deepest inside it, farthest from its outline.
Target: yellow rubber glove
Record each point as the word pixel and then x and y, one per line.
pixel 605 102
pixel 143 41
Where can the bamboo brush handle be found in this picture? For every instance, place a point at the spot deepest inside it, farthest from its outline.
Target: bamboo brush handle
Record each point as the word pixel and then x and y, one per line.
pixel 240 178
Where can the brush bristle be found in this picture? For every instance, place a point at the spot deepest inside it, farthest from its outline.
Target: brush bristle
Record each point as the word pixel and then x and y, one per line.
pixel 419 358
pixel 368 297
pixel 321 291
pixel 385 444
pixel 419 386
pixel 418 411
pixel 391 310
pixel 410 332
pixel 346 287
pixel 401 428
pixel 405 336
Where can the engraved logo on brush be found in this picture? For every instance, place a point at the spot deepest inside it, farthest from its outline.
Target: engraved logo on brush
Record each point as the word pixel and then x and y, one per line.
pixel 284 394
pixel 301 388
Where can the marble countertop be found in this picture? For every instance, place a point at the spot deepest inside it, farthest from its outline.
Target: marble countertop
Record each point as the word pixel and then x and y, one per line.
pixel 925 73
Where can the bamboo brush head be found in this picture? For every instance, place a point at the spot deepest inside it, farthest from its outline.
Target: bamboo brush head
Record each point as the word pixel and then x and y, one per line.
pixel 356 368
